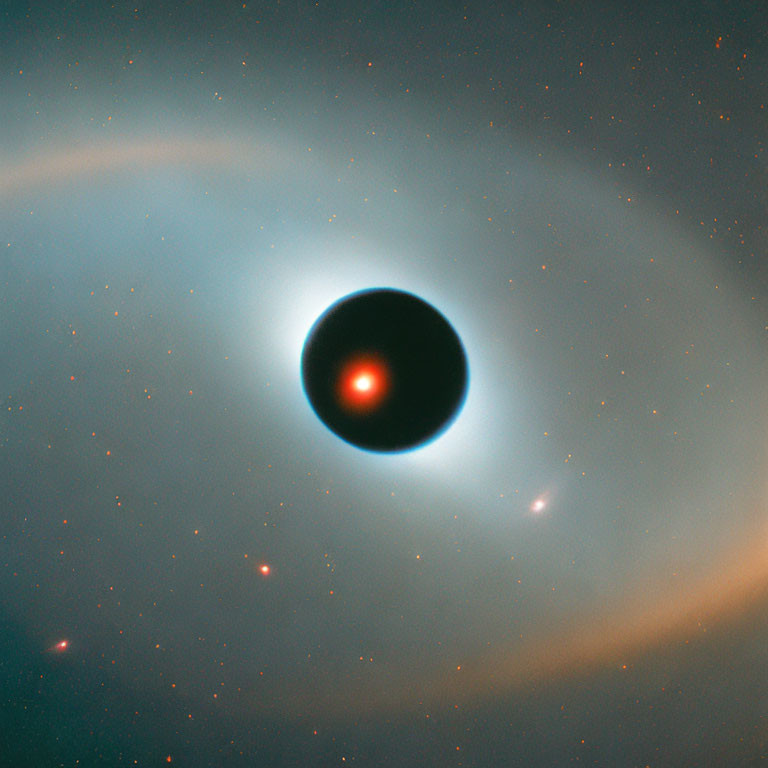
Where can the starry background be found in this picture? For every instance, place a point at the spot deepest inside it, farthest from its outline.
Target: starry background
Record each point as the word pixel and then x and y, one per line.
pixel 576 572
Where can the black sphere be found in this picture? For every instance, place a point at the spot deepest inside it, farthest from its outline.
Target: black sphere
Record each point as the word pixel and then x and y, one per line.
pixel 384 370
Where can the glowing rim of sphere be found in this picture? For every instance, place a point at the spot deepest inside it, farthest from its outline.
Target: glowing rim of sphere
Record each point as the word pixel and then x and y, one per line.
pixel 366 381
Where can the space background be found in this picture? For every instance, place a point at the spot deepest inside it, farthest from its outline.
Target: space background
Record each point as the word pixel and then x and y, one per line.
pixel 194 570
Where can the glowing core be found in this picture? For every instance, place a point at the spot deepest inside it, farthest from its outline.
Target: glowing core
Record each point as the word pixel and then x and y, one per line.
pixel 364 382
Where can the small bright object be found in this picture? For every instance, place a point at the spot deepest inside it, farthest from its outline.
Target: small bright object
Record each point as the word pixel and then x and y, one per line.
pixel 61 646
pixel 265 569
pixel 364 382
pixel 363 385
pixel 538 505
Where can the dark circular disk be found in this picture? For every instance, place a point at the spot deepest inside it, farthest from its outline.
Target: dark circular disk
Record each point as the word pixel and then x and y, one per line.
pixel 384 370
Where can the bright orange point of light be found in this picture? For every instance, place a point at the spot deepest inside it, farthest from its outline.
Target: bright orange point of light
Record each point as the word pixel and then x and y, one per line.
pixel 363 384
pixel 265 569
